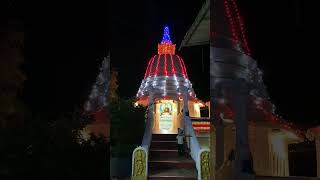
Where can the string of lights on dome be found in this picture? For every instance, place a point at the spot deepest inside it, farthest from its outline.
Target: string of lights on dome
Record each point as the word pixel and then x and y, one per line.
pixel 145 74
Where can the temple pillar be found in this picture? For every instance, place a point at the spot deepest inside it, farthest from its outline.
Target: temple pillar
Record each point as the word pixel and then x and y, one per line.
pixel 243 159
pixel 219 130
pixel 213 137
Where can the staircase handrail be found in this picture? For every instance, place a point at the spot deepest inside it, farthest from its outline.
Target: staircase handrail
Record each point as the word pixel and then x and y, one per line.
pixel 198 154
pixel 147 136
pixel 194 143
pixel 144 148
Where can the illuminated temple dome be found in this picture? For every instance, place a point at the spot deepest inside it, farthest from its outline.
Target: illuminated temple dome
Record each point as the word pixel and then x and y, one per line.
pixel 166 74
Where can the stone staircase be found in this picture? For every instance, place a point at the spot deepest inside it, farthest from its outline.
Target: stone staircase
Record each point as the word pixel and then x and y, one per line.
pixel 164 161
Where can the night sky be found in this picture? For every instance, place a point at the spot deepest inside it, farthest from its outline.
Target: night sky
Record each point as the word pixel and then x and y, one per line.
pixel 65 44
pixel 282 35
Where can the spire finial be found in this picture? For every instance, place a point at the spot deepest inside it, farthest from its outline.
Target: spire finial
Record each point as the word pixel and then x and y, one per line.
pixel 166 36
pixel 166 46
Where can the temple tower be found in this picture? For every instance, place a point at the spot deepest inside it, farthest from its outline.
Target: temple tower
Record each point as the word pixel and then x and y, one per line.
pixel 167 80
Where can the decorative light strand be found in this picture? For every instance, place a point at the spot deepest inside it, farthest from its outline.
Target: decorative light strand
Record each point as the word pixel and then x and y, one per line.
pixel 157 67
pixel 181 68
pixel 172 65
pixel 275 119
pixel 146 73
pixel 165 65
pixel 267 115
pixel 184 66
pixel 235 38
pixel 150 70
pixel 241 25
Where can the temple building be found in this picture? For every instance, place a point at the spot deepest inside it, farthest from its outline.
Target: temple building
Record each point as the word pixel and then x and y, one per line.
pixel 165 80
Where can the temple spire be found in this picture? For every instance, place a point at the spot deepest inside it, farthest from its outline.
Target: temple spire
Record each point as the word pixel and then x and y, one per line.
pixel 166 46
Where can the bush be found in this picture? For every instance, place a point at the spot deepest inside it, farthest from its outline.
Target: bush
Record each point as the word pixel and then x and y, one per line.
pixel 127 127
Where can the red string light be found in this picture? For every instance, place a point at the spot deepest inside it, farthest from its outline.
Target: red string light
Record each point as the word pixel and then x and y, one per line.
pixel 181 67
pixel 184 66
pixel 235 38
pixel 150 70
pixel 267 116
pixel 172 65
pixel 157 70
pixel 275 119
pixel 241 24
pixel 145 74
pixel 165 65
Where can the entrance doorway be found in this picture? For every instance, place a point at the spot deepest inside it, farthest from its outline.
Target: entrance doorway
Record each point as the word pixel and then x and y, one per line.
pixel 302 159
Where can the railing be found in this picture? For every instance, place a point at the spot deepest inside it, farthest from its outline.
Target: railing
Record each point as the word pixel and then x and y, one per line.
pixel 192 141
pixel 147 136
pixel 140 154
pixel 201 156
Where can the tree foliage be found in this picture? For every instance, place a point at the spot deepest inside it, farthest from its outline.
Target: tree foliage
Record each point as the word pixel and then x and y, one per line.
pixel 127 127
pixel 56 153
pixel 127 121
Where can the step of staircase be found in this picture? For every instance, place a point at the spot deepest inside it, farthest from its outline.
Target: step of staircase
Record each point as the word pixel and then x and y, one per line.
pixel 169 163
pixel 171 174
pixel 164 144
pixel 167 153
pixel 164 137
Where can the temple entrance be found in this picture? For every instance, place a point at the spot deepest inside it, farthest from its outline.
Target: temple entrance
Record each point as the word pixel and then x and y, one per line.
pixel 167 120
